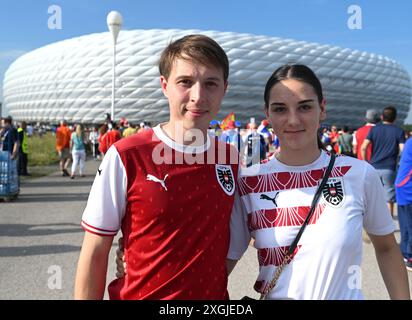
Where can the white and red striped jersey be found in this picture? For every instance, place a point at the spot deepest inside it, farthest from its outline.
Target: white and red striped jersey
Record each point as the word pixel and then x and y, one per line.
pixel 174 215
pixel 271 206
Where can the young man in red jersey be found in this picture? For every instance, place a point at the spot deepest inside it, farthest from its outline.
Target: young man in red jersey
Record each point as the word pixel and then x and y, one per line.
pixel 169 189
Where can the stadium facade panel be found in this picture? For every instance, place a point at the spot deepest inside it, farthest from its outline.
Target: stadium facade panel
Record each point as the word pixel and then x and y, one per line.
pixel 72 79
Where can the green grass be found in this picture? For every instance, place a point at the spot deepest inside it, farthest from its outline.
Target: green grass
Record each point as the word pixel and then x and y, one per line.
pixel 42 151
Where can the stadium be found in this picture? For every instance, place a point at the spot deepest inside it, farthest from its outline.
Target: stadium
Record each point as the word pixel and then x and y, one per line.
pixel 72 79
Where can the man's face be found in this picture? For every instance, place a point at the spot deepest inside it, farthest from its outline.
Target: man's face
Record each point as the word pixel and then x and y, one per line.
pixel 195 93
pixel 4 124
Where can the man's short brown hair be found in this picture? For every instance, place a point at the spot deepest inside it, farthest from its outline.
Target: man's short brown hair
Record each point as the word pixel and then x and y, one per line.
pixel 197 48
pixel 389 114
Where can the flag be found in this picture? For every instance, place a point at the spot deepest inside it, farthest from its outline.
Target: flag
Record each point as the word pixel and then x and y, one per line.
pixel 225 121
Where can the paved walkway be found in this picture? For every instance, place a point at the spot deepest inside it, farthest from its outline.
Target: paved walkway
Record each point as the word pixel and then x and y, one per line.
pixel 40 240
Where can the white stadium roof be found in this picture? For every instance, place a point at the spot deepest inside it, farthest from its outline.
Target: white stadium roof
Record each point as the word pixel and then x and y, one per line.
pixel 72 79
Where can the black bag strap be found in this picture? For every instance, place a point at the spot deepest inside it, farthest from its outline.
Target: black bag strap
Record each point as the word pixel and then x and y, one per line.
pixel 314 203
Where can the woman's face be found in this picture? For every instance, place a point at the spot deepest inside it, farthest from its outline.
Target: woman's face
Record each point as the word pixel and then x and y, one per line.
pixel 295 114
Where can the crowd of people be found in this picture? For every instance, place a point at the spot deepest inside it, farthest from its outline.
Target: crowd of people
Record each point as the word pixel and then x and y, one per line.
pixel 74 142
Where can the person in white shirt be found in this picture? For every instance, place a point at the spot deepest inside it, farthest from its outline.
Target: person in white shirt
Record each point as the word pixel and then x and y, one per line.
pixel 94 139
pixel 274 198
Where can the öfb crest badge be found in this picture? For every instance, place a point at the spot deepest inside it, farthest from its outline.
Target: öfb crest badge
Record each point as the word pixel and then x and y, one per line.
pixel 333 192
pixel 225 178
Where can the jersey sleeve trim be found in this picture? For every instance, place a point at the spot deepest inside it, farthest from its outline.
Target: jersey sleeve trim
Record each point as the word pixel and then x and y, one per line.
pixel 98 231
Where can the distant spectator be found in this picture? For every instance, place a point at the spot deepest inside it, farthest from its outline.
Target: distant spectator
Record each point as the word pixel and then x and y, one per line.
pixel 371 118
pixel 123 124
pixel 141 127
pixel 63 135
pixel 53 130
pixel 334 136
pixel 102 133
pixel 40 130
pixel 325 138
pixel 403 187
pixel 94 140
pixel 345 142
pixel 29 130
pixel 231 135
pixel 23 150
pixel 388 141
pixel 77 146
pixel 9 138
pixel 130 130
pixel 109 138
pixel 255 146
pixel 359 136
pixel 264 131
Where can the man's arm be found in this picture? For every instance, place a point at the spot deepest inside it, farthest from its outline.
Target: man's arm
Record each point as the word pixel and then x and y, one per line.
pixel 354 144
pixel 401 145
pixel 71 143
pixel 391 266
pixel 92 267
pixel 364 147
pixel 121 265
pixel 15 149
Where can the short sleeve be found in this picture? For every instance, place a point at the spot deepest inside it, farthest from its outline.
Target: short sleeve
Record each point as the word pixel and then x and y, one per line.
pixel 401 136
pixel 377 218
pixel 239 231
pixel 107 199
pixel 370 134
pixel 14 136
pixel 354 141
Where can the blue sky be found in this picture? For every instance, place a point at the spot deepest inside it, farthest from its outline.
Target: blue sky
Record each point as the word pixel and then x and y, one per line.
pixel 386 25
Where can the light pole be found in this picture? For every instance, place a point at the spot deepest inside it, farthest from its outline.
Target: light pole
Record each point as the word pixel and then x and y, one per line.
pixel 114 23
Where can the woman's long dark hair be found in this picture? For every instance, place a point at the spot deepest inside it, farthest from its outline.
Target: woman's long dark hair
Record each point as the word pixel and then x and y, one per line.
pixel 297 72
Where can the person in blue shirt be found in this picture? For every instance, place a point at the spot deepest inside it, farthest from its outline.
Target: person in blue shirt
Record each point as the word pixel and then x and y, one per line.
pixel 9 139
pixel 231 135
pixel 403 188
pixel 387 142
pixel 255 146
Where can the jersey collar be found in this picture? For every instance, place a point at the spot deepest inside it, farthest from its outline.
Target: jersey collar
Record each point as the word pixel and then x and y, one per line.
pixel 180 147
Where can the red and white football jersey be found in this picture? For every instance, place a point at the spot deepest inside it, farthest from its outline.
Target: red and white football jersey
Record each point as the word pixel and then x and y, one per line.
pixel 173 205
pixel 271 205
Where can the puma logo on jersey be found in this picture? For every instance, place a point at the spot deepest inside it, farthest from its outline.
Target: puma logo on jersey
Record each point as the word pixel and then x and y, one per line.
pixel 154 179
pixel 266 197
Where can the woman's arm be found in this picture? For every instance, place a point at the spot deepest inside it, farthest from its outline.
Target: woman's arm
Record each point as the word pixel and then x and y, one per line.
pixel 364 147
pixel 391 266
